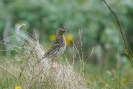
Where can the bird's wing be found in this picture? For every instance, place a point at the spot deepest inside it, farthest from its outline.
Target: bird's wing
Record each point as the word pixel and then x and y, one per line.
pixel 53 47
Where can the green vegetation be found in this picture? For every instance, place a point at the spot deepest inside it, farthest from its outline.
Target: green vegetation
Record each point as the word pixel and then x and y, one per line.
pixel 95 57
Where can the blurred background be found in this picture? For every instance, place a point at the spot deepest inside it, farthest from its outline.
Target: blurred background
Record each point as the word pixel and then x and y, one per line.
pixel 99 29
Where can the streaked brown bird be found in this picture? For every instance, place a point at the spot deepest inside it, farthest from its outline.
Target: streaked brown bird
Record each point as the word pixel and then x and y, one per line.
pixel 58 46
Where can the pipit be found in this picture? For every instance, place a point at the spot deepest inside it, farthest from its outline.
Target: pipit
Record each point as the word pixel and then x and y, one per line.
pixel 58 46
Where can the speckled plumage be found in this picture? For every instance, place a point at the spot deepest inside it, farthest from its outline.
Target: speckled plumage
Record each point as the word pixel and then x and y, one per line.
pixel 58 46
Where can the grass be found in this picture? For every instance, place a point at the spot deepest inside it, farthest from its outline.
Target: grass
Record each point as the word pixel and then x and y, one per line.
pixel 21 70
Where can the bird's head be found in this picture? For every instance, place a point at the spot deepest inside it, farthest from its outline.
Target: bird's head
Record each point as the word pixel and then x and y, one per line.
pixel 60 32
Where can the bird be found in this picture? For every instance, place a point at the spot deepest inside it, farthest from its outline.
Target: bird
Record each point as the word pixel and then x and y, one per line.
pixel 58 47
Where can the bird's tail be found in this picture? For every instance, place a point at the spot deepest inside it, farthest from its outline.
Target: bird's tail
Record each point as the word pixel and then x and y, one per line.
pixel 40 60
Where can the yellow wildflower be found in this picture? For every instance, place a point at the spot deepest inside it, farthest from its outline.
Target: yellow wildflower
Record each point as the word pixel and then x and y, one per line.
pixel 18 87
pixel 126 52
pixel 106 85
pixel 69 38
pixel 52 37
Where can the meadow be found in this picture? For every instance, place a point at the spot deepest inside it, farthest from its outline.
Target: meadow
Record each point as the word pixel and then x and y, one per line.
pixel 98 38
pixel 22 72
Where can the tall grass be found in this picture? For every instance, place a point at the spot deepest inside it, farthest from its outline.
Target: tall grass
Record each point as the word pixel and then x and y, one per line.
pixel 21 69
